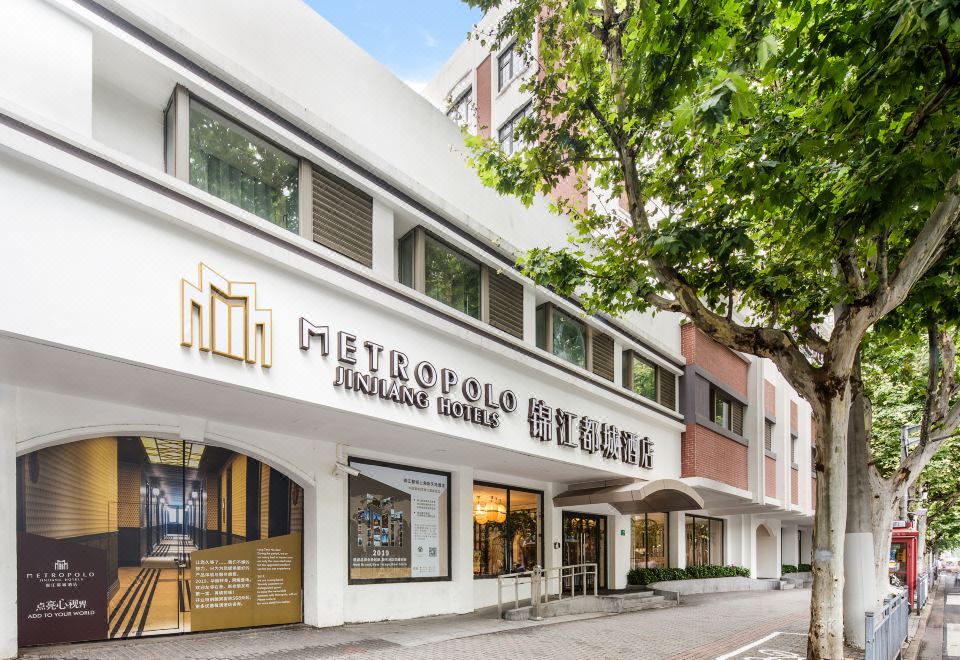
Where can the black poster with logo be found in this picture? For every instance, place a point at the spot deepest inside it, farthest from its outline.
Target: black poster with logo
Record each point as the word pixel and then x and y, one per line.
pixel 62 591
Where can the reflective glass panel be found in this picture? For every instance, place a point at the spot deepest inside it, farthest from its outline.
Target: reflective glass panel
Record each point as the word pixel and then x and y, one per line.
pixel 233 164
pixel 644 378
pixel 569 339
pixel 451 278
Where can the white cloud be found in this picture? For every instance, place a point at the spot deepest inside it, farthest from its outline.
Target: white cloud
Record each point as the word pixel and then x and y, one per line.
pixel 428 39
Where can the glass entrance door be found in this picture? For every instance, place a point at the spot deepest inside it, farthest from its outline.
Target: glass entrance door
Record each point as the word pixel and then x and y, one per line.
pixel 584 536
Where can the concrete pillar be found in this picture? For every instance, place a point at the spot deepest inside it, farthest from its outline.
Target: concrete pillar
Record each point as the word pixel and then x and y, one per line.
pixel 806 545
pixel 384 245
pixel 620 550
pixel 753 427
pixel 461 538
pixel 324 552
pixel 8 523
pixel 529 315
pixel 552 532
pixel 677 545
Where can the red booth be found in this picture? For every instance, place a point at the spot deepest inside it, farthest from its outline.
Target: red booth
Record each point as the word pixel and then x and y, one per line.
pixel 903 556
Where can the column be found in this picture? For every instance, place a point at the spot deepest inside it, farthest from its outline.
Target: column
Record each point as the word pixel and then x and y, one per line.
pixel 8 523
pixel 677 547
pixel 384 250
pixel 461 538
pixel 324 541
pixel 619 555
pixel 789 545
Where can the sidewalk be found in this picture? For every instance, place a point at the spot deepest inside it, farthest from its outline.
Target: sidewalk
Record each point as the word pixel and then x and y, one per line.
pixel 701 628
pixel 941 638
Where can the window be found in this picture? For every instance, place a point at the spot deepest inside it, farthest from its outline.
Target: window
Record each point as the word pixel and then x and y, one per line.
pixel 644 378
pixel 561 334
pixel 507 136
pixel 460 109
pixel 793 448
pixel 725 411
pixel 443 273
pixel 230 162
pixel 704 541
pixel 507 526
pixel 649 540
pixel 506 65
pixel 768 435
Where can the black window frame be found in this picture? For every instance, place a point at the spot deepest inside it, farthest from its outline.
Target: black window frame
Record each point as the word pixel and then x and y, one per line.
pixel 510 126
pixel 768 427
pixel 723 537
pixel 508 551
pixel 506 59
pixel 453 112
pixel 646 540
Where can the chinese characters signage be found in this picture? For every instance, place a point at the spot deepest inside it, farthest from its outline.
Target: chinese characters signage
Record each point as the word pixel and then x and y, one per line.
pixel 61 591
pixel 398 523
pixel 255 583
pixel 590 435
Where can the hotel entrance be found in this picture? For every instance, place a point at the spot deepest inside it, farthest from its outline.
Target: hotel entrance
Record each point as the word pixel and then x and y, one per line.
pixel 584 536
pixel 132 536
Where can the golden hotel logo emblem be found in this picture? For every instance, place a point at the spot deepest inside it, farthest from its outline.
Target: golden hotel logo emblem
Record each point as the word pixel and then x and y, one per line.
pixel 225 316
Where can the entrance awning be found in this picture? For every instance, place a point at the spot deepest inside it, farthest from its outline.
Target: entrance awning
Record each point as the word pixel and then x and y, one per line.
pixel 635 496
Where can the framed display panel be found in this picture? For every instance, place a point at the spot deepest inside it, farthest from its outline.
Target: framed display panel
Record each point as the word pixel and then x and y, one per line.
pixel 398 523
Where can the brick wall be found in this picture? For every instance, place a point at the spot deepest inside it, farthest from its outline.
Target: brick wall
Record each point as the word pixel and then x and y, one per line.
pixel 484 98
pixel 705 453
pixel 770 398
pixel 720 361
pixel 769 476
pixel 794 418
pixel 566 189
pixel 794 486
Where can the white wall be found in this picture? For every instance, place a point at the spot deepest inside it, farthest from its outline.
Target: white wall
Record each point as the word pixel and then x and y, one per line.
pixel 125 123
pixel 46 63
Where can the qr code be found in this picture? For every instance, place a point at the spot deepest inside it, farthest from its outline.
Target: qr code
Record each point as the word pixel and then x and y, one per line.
pixel 432 552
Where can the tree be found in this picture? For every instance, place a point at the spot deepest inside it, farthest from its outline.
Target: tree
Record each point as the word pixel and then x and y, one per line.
pixel 789 172
pixel 911 380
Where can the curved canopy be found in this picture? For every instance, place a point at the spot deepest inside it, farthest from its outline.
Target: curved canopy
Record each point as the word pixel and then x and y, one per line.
pixel 635 497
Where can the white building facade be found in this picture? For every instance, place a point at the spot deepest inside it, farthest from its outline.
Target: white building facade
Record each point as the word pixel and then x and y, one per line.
pixel 253 303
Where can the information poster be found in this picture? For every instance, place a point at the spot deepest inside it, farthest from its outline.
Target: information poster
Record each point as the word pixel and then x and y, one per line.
pixel 257 583
pixel 61 591
pixel 398 523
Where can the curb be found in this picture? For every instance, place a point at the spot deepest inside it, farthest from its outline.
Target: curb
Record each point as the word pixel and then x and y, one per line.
pixel 913 647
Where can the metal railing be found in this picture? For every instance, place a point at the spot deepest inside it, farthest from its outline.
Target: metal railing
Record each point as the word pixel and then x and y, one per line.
pixel 571 581
pixel 886 628
pixel 923 590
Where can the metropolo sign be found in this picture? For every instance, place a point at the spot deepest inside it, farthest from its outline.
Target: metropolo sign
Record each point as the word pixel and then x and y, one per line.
pixel 224 318
pixel 374 370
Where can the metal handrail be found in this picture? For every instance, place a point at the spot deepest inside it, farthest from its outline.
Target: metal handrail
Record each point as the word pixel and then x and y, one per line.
pixel 922 590
pixel 539 580
pixel 886 628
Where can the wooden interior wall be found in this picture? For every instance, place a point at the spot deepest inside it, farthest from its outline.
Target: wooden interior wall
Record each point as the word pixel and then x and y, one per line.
pixel 129 476
pixel 212 488
pixel 296 508
pixel 239 478
pixel 264 501
pixel 71 490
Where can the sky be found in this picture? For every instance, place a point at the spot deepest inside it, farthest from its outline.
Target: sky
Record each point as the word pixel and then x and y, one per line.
pixel 412 38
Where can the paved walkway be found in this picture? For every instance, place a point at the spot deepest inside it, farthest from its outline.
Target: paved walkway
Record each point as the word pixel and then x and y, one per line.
pixel 701 628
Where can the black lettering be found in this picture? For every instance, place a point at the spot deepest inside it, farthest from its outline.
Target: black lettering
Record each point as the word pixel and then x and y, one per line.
pixel 508 401
pixel 398 365
pixel 346 347
pixel 373 354
pixel 426 374
pixel 448 378
pixel 471 389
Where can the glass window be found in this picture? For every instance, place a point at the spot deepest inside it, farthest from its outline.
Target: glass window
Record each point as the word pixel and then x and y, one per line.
pixel 649 533
pixel 721 410
pixel 768 435
pixel 505 67
pixel 793 448
pixel 704 541
pixel 541 319
pixel 233 164
pixel 644 378
pixel 451 278
pixel 460 109
pixel 506 530
pixel 507 136
pixel 569 338
pixel 406 258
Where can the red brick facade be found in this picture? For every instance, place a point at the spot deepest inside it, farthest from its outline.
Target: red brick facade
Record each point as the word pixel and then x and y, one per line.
pixel 484 98
pixel 769 476
pixel 794 418
pixel 719 360
pixel 769 398
pixel 794 486
pixel 705 453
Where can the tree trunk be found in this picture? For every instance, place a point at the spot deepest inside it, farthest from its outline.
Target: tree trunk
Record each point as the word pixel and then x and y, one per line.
pixel 886 509
pixel 829 525
pixel 859 590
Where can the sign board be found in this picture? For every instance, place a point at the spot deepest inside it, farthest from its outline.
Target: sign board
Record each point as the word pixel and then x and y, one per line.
pixel 61 591
pixel 257 583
